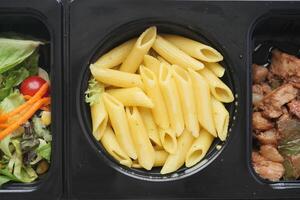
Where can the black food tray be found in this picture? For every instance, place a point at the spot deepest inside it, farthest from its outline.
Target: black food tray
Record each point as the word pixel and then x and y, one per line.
pixel 42 21
pixel 76 31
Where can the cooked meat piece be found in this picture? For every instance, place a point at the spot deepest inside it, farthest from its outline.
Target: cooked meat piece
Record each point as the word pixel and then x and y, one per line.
pixel 271 104
pixel 294 107
pixel 284 65
pixel 282 121
pixel 266 88
pixel 271 153
pixel 268 137
pixel 257 94
pixel 260 123
pixel 259 73
pixel 270 170
pixel 295 81
pixel 295 160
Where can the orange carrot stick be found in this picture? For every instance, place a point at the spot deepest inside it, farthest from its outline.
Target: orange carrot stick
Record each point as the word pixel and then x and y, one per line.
pixel 4 125
pixel 27 115
pixel 32 100
pixel 27 97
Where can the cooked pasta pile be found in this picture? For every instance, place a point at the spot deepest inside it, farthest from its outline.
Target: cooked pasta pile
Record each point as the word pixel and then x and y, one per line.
pixel 157 101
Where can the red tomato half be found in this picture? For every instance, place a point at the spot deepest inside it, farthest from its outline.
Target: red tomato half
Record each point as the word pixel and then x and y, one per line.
pixel 31 85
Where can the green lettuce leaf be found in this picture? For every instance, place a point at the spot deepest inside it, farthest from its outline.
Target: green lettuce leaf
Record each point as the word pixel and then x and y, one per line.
pixel 12 101
pixel 44 151
pixel 3 180
pixel 14 52
pixel 94 91
pixel 4 146
pixel 41 130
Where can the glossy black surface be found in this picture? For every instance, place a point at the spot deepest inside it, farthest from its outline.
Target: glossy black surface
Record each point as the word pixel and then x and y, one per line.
pixel 41 21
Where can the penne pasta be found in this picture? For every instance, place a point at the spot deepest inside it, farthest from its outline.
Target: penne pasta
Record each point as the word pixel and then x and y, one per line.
pixel 152 89
pixel 174 55
pixel 219 90
pixel 99 119
pixel 116 77
pixel 160 158
pixel 143 146
pixel 199 148
pixel 119 123
pixel 150 125
pixel 162 60
pixel 139 50
pixel 168 140
pixel 115 56
pixel 203 102
pixel 152 63
pixel 176 160
pixel 131 97
pixel 187 99
pixel 111 145
pixel 171 97
pixel 216 68
pixel 221 119
pixel 195 49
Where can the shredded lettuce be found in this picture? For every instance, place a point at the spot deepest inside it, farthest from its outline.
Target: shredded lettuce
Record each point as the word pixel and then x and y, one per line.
pixel 94 91
pixel 44 150
pixel 12 101
pixel 40 129
pixel 4 146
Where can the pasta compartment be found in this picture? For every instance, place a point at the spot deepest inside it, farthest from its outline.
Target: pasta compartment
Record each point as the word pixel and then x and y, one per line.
pixel 131 30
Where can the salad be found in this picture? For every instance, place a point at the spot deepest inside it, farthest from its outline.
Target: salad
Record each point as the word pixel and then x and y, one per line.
pixel 25 116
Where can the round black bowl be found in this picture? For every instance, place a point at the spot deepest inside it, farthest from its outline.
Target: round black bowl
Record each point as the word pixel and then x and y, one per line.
pixel 122 34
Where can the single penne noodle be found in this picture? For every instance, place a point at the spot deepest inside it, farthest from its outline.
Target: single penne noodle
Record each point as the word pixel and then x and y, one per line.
pixel 115 56
pixel 219 89
pixel 143 146
pixel 131 97
pixel 221 119
pixel 176 160
pixel 168 140
pixel 174 55
pixel 136 164
pixel 161 59
pixel 116 77
pixel 216 68
pixel 118 120
pixel 152 89
pixel 199 148
pixel 111 145
pixel 150 125
pixel 139 50
pixel 160 158
pixel 195 49
pixel 152 63
pixel 187 99
pixel 99 119
pixel 203 102
pixel 171 98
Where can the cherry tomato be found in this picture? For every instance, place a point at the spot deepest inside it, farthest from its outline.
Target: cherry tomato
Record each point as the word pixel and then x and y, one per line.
pixel 31 85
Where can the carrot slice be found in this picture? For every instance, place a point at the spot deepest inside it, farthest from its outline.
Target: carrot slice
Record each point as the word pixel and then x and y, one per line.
pixel 4 125
pixel 27 115
pixel 32 100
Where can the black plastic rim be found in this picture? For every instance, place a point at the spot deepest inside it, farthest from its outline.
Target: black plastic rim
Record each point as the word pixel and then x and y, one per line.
pixel 122 34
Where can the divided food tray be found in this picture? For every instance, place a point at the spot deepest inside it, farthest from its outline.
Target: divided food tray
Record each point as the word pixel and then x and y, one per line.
pixel 79 31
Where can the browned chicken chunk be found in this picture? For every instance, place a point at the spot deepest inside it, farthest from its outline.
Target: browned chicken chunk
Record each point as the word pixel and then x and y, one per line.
pixel 260 123
pixel 271 104
pixel 294 107
pixel 270 170
pixel 259 73
pixel 271 153
pixel 268 137
pixel 285 65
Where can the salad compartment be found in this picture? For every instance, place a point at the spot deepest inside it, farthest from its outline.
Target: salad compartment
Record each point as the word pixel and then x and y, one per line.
pixel 35 23
pixel 271 32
